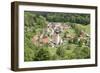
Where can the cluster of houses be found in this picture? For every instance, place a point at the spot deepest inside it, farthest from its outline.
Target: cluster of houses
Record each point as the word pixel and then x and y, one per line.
pixel 51 34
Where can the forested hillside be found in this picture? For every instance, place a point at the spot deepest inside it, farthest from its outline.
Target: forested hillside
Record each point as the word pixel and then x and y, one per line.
pixel 56 36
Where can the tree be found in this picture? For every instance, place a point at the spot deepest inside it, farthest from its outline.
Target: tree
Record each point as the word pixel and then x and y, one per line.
pixel 43 54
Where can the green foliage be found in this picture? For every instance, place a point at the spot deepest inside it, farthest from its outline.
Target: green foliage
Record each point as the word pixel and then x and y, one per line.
pixel 29 54
pixel 43 54
pixel 33 22
pixel 69 17
pixel 61 51
pixel 56 57
pixel 83 52
pixel 58 17
pixel 71 49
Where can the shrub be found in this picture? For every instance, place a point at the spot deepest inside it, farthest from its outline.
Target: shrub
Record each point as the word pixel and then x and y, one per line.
pixel 61 51
pixel 43 54
pixel 56 57
pixel 29 54
pixel 82 52
pixel 85 52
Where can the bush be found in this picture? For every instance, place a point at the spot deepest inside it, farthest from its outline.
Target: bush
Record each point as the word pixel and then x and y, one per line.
pixel 43 54
pixel 85 52
pixel 29 54
pixel 61 51
pixel 56 57
pixel 82 52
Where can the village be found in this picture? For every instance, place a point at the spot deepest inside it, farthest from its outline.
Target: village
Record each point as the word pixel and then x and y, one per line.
pixel 56 34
